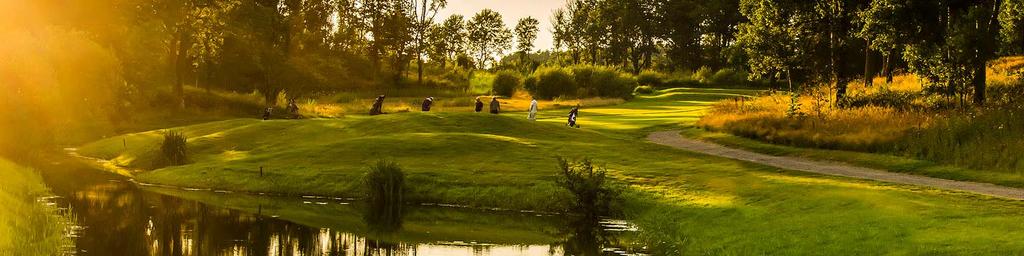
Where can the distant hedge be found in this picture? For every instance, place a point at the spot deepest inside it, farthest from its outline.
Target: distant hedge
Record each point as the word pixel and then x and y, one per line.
pixel 505 83
pixel 579 82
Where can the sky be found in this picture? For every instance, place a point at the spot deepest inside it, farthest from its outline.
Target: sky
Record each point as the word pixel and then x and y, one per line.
pixel 511 11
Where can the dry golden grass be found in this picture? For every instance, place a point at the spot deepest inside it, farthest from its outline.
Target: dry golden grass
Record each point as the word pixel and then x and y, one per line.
pixel 818 122
pixel 519 102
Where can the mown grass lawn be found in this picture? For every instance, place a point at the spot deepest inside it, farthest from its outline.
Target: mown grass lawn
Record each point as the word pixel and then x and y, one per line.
pixel 686 203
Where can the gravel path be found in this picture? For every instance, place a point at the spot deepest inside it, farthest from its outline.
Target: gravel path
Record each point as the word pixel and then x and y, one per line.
pixel 673 139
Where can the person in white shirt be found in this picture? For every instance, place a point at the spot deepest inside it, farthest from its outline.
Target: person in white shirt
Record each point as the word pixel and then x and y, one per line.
pixel 533 110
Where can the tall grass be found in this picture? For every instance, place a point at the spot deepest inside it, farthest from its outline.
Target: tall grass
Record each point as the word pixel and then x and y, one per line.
pixel 174 149
pixel 989 139
pixel 591 187
pixel 897 118
pixel 385 183
pixel 27 225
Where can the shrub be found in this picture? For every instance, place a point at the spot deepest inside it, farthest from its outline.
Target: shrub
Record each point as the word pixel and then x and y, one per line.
pixel 603 82
pixel 385 189
pixel 580 81
pixel 385 183
pixel 505 83
pixel 594 194
pixel 703 74
pixel 650 78
pixel 173 151
pixel 643 90
pixel 681 82
pixel 551 82
pixel 728 77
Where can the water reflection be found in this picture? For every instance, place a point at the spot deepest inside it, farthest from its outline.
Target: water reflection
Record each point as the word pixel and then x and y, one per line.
pixel 118 218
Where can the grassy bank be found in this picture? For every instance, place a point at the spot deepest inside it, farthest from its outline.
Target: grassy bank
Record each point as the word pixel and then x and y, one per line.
pixel 685 203
pixel 29 227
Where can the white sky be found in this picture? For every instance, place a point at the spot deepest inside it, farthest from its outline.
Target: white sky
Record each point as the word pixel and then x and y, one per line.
pixel 511 11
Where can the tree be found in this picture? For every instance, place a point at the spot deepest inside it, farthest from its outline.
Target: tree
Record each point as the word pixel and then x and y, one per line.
pixel 526 33
pixel 770 39
pixel 391 28
pixel 447 39
pixel 881 26
pixel 1011 20
pixel 423 12
pixel 487 36
pixel 208 25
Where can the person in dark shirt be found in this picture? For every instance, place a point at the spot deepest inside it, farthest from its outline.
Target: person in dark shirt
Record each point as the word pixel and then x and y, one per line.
pixel 266 113
pixel 427 103
pixel 378 106
pixel 479 105
pixel 495 105
pixel 572 116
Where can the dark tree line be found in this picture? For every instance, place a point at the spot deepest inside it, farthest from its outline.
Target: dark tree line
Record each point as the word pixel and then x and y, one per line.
pixel 308 46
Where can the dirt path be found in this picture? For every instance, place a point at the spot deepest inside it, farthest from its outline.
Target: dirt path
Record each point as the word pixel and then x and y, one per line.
pixel 673 139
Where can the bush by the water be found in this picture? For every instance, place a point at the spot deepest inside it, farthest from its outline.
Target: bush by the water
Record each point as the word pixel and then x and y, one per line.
pixel 580 81
pixel 505 83
pixel 174 149
pixel 385 183
pixel 594 194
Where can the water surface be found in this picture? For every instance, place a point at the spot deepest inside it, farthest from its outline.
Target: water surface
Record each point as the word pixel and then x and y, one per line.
pixel 117 217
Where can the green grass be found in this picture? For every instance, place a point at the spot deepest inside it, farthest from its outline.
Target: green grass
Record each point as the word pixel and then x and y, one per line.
pixel 685 203
pixel 27 226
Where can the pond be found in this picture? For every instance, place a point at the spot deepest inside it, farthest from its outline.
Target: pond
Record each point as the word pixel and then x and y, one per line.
pixel 118 217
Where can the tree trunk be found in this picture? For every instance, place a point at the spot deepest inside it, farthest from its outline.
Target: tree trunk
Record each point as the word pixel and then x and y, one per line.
pixel 789 78
pixel 868 77
pixel 180 59
pixel 979 83
pixel 419 63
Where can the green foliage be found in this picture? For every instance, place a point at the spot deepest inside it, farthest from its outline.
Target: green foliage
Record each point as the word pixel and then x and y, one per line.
pixel 580 81
pixel 591 186
pixel 643 90
pixel 174 149
pixel 703 74
pixel 385 183
pixel 650 78
pixel 29 226
pixel 601 81
pixel 526 33
pixel 729 77
pixel 505 83
pixel 550 82
pixel 487 36
pixel 794 106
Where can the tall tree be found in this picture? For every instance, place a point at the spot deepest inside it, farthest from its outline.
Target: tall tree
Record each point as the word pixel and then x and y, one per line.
pixel 448 39
pixel 208 23
pixel 423 12
pixel 487 36
pixel 526 33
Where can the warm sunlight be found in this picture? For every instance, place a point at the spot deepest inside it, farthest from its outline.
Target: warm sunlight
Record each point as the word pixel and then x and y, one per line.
pixel 511 128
